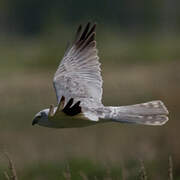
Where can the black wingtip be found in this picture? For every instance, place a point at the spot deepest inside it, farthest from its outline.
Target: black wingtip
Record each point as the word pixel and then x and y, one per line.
pixel 74 110
pixel 86 29
pixel 87 36
pixel 78 32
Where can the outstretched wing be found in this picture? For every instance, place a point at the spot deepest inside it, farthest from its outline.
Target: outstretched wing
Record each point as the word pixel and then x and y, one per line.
pixel 78 75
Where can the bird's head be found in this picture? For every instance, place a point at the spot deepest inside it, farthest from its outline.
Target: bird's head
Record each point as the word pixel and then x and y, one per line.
pixel 41 118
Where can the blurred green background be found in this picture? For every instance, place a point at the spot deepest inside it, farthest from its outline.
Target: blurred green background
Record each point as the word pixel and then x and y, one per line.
pixel 139 48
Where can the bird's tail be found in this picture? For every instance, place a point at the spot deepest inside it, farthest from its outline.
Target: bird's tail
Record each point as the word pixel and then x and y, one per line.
pixel 150 113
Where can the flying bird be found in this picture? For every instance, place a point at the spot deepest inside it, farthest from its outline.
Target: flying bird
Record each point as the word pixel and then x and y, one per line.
pixel 78 86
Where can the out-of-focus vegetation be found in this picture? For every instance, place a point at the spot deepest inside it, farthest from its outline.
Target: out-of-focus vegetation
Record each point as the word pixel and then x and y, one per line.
pixel 83 169
pixel 36 16
pixel 138 46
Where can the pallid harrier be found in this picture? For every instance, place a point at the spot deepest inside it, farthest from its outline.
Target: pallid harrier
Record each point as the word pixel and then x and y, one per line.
pixel 78 86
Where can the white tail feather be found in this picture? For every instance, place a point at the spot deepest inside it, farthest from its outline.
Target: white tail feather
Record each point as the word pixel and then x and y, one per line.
pixel 150 113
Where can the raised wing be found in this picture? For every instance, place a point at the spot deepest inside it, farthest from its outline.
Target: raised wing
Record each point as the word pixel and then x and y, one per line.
pixel 78 75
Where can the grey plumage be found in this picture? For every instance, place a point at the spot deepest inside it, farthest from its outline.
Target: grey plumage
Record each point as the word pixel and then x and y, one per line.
pixel 150 113
pixel 78 86
pixel 78 75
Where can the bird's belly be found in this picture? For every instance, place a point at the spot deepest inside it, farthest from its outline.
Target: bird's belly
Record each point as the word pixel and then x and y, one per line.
pixel 76 121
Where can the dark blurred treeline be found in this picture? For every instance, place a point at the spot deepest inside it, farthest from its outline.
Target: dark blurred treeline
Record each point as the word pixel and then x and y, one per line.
pixel 34 16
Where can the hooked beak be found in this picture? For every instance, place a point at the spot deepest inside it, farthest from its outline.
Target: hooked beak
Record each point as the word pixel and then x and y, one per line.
pixel 35 121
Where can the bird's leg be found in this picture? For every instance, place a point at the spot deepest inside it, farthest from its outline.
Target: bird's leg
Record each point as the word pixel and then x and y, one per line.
pixel 51 111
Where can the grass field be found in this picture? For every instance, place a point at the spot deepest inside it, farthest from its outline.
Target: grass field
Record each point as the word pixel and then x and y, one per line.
pixel 85 170
pixel 134 71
